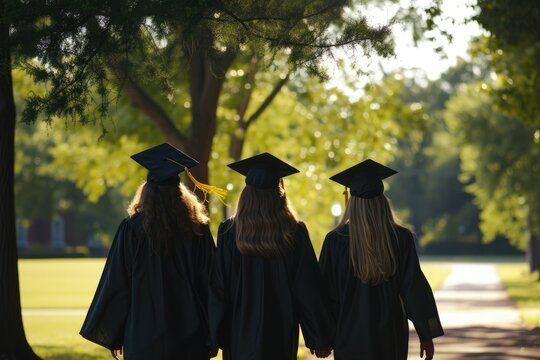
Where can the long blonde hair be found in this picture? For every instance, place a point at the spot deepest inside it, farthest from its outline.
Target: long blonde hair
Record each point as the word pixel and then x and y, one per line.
pixel 170 212
pixel 371 234
pixel 265 224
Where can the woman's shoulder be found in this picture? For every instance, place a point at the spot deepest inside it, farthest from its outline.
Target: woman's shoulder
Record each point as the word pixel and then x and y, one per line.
pixel 405 237
pixel 337 238
pixel 226 224
pixel 135 222
pixel 403 232
pixel 226 228
pixel 340 233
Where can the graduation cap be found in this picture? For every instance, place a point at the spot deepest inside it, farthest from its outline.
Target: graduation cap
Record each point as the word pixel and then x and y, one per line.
pixel 364 179
pixel 263 171
pixel 164 162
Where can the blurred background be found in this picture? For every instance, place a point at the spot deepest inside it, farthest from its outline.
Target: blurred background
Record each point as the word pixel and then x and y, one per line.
pixel 445 92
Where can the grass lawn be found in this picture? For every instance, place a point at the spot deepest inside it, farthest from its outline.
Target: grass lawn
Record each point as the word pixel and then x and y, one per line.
pixel 57 337
pixel 524 289
pixel 59 283
pixel 70 284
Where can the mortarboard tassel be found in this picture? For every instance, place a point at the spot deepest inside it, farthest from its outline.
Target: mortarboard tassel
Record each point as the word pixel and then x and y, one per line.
pixel 205 188
pixel 208 189
pixel 346 193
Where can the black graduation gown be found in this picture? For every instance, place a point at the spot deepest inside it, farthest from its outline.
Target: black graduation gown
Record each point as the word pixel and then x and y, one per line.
pixel 257 303
pixel 372 320
pixel 154 306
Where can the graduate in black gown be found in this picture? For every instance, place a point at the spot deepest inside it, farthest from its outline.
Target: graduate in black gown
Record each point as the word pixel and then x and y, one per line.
pixel 265 280
pixel 151 301
pixel 371 267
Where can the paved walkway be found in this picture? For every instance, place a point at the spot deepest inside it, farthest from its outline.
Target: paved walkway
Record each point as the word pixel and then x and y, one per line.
pixel 479 319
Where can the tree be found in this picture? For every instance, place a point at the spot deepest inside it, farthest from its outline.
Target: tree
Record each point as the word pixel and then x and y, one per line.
pixel 202 41
pixel 500 165
pixel 437 205
pixel 13 343
pixel 319 130
pixel 79 48
pixel 512 47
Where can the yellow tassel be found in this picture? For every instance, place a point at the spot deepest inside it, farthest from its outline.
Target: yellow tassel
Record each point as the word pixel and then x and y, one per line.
pixel 346 193
pixel 205 188
pixel 208 189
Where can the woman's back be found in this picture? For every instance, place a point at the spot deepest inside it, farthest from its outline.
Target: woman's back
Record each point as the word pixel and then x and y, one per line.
pixel 169 297
pixel 372 269
pixel 371 323
pixel 256 302
pixel 159 299
pixel 151 299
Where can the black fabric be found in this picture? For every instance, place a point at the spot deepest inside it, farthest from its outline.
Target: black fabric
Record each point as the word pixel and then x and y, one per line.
pixel 170 181
pixel 154 306
pixel 364 179
pixel 256 303
pixel 366 187
pixel 164 162
pixel 372 320
pixel 262 178
pixel 263 170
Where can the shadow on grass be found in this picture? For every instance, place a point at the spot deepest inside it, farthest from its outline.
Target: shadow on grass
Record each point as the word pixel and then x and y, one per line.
pixel 64 353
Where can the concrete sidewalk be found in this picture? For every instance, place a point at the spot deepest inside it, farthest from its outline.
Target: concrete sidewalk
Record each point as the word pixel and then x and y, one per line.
pixel 479 319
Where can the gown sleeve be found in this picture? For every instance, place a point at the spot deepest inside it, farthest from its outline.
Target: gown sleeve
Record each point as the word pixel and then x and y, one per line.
pixel 311 297
pixel 416 293
pixel 327 263
pixel 106 317
pixel 206 256
pixel 217 299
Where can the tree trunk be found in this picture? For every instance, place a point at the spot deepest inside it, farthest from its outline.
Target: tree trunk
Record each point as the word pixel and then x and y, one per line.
pixel 236 147
pixel 13 343
pixel 206 77
pixel 533 253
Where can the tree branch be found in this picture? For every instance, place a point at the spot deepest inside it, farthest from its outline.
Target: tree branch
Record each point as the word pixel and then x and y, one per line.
pixel 268 100
pixel 322 45
pixel 141 100
pixel 323 10
pixel 250 80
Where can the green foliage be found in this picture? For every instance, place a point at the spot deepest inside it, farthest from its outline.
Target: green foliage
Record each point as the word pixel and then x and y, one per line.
pixel 41 188
pixel 513 50
pixel 82 46
pixel 499 163
pixel 82 59
pixel 321 132
pixel 438 207
pixel 317 129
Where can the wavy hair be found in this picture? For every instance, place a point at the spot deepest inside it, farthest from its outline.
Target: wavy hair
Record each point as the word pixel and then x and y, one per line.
pixel 170 213
pixel 371 234
pixel 264 222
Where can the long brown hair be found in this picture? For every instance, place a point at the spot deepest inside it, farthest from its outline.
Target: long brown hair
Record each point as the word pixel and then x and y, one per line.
pixel 170 212
pixel 371 234
pixel 264 222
